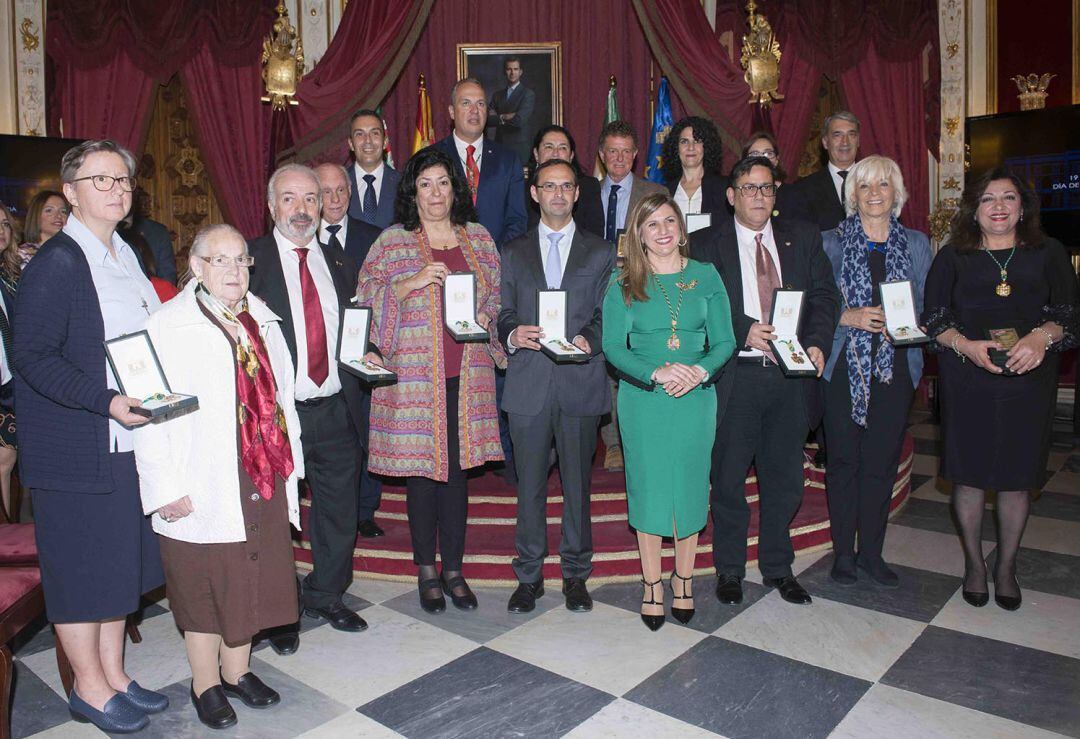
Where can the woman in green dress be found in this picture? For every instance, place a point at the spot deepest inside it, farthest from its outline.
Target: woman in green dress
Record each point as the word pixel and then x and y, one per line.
pixel 667 330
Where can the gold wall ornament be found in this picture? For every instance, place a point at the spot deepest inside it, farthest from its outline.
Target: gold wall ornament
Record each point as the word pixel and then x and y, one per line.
pixel 951 125
pixel 942 217
pixel 282 67
pixel 951 183
pixel 30 37
pixel 1032 90
pixel 760 59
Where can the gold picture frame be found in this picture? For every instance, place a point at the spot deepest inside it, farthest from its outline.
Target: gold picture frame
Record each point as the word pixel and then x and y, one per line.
pixel 541 64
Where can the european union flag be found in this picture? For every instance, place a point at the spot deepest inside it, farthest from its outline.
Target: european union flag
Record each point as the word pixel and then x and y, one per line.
pixel 661 126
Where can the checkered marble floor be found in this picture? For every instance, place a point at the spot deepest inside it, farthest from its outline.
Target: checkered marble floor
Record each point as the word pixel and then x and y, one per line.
pixel 859 662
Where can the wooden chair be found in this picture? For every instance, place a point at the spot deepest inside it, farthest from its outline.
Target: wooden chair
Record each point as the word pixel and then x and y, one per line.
pixel 22 601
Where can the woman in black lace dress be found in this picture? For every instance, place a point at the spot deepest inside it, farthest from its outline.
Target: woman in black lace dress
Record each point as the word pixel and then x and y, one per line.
pixel 999 273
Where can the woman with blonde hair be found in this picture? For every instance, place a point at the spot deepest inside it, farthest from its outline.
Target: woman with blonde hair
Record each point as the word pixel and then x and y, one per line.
pixel 660 313
pixel 10 271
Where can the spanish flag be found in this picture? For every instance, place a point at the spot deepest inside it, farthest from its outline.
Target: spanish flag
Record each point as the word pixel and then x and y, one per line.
pixel 424 134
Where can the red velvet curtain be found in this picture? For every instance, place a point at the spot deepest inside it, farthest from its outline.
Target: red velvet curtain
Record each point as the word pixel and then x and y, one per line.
pixel 599 38
pixel 364 59
pixel 108 101
pixel 887 96
pixel 234 135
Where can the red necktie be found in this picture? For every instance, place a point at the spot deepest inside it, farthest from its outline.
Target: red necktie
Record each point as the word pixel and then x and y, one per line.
pixel 314 327
pixel 472 172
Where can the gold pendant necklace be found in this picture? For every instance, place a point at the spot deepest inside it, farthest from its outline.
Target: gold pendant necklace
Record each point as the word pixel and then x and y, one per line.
pixel 1003 289
pixel 673 342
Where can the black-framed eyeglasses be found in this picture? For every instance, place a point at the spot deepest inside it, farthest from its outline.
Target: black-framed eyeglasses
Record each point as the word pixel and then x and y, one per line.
pixel 221 260
pixel 749 190
pixel 105 183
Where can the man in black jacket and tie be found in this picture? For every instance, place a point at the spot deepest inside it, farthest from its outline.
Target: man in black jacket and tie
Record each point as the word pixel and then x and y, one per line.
pixel 818 197
pixel 549 402
pixel 763 416
pixel 305 283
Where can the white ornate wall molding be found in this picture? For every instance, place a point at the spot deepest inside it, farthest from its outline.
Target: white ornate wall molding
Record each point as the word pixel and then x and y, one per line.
pixel 954 89
pixel 28 19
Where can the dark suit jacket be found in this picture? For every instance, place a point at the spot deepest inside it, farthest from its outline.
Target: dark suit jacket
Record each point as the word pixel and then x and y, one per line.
pixel 812 199
pixel 358 240
pixel 713 195
pixel 803 266
pixel 387 194
pixel 592 211
pixel 515 134
pixel 588 189
pixel 500 206
pixel 268 282
pixel 61 392
pixel 582 389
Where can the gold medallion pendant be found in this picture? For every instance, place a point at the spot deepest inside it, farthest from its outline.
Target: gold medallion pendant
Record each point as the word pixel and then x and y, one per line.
pixel 1003 289
pixel 673 342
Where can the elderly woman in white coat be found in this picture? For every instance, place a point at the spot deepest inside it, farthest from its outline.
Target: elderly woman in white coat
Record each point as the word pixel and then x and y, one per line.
pixel 220 480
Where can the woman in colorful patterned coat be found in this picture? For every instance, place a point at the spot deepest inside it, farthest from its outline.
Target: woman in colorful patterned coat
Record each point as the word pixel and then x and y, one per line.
pixel 440 417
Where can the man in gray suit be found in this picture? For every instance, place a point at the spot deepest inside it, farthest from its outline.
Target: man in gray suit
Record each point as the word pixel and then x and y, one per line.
pixel 546 401
pixel 510 111
pixel 374 183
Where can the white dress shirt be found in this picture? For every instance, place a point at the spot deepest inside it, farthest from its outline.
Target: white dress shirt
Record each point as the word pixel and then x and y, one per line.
pixel 361 186
pixel 126 298
pixel 460 145
pixel 838 181
pixel 306 389
pixel 342 234
pixel 748 265
pixel 688 203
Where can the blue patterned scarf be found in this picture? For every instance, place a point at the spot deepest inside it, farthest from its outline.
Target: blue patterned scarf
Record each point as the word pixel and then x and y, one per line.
pixel 857 287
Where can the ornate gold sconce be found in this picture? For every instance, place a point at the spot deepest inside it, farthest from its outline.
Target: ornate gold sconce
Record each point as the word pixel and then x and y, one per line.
pixel 282 67
pixel 760 59
pixel 1032 90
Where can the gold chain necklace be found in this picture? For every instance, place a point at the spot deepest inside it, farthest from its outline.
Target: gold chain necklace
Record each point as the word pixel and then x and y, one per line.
pixel 673 342
pixel 1004 288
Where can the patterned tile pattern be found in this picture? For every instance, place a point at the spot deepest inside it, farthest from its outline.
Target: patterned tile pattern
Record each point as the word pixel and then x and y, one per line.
pixel 860 661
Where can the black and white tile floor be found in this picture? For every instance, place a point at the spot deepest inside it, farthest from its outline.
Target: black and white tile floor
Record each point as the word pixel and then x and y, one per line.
pixel 859 662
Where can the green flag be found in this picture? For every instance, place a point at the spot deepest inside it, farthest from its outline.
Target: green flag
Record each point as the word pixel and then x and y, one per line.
pixel 611 113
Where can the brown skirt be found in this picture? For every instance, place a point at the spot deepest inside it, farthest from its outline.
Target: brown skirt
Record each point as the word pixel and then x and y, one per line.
pixel 239 588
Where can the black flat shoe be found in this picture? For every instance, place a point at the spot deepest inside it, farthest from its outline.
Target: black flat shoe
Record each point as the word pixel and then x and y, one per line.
pixel 843 570
pixel 340 617
pixel 465 602
pixel 790 589
pixel 213 708
pixel 577 595
pixel 729 589
pixel 431 605
pixel 252 691
pixel 682 615
pixel 879 572
pixel 285 641
pixel 523 599
pixel 653 622
pixel 369 529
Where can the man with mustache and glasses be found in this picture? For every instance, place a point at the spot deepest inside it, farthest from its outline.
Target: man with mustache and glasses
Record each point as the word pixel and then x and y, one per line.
pixel 374 182
pixel 305 283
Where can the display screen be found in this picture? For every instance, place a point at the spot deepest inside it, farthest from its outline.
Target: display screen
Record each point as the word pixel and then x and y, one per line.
pixel 30 164
pixel 1043 147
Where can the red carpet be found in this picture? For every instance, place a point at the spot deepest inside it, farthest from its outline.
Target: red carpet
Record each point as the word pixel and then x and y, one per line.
pixel 492 507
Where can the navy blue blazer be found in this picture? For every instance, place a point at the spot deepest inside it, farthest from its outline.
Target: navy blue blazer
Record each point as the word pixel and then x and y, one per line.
pixel 500 200
pixel 62 395
pixel 384 214
pixel 358 240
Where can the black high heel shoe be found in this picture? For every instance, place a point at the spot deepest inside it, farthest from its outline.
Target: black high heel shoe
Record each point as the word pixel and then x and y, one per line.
pixel 682 615
pixel 653 622
pixel 976 599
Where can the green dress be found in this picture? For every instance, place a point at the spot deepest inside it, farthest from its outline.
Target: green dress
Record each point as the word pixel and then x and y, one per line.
pixel 667 442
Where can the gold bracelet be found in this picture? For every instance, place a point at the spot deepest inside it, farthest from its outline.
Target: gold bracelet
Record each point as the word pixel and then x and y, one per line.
pixel 1044 332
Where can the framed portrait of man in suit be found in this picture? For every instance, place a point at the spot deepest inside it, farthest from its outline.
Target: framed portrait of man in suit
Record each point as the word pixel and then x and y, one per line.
pixel 523 82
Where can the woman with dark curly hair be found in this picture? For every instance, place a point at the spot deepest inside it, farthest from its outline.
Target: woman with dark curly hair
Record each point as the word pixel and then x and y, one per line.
pixel 693 156
pixel 555 142
pixel 440 418
pixel 1001 303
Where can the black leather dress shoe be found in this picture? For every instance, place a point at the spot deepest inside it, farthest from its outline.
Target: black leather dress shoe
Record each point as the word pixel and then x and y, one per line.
pixel 879 572
pixel 285 641
pixel 465 602
pixel 790 589
pixel 729 589
pixel 340 617
pixel 436 604
pixel 252 691
pixel 524 597
pixel 369 529
pixel 577 595
pixel 843 570
pixel 213 708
